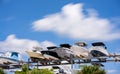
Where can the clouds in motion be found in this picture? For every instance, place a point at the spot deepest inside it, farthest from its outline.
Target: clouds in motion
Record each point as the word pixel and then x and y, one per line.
pixel 12 43
pixel 77 22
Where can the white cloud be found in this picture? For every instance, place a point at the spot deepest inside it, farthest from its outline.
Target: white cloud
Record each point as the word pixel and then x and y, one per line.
pixel 47 44
pixel 111 71
pixel 78 23
pixel 21 45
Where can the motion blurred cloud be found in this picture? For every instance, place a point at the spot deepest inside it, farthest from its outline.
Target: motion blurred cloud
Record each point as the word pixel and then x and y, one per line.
pixel 12 43
pixel 76 22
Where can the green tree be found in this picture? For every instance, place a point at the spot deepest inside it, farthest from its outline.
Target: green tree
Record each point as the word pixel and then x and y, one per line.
pixel 1 71
pixel 24 70
pixel 46 71
pixel 91 70
pixel 34 71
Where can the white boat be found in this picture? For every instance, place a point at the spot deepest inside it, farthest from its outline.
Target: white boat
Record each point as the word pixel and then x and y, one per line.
pixel 55 53
pixel 9 59
pixel 64 51
pixel 50 55
pixel 77 51
pixel 80 51
pixel 35 54
pixel 99 49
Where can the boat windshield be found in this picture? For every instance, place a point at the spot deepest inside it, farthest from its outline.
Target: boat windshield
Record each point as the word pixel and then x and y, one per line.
pixel 14 55
pixel 101 44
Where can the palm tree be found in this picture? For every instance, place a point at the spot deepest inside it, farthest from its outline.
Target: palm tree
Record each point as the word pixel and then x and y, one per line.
pixel 91 70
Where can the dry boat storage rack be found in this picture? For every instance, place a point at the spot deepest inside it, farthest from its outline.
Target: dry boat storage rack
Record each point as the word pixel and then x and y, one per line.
pixel 72 60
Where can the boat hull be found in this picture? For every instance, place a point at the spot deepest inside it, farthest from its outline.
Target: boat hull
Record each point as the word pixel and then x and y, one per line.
pixel 99 51
pixel 35 55
pixel 80 52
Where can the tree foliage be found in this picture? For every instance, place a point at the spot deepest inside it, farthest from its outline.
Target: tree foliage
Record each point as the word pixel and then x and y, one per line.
pixel 25 68
pixel 34 71
pixel 91 70
pixel 1 71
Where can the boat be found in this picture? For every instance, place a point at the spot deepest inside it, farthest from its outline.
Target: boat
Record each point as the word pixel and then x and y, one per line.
pixel 64 51
pixel 80 51
pixel 58 54
pixel 99 49
pixel 35 54
pixel 10 59
pixel 50 55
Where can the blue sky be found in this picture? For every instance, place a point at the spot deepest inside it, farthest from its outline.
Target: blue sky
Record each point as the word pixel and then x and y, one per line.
pixel 28 23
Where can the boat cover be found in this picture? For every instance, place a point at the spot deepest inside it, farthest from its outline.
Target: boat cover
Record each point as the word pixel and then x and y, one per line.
pixel 98 44
pixel 65 45
pixel 52 47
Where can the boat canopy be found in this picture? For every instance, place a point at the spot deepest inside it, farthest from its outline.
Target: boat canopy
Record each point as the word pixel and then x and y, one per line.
pixel 98 44
pixel 65 45
pixel 52 47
